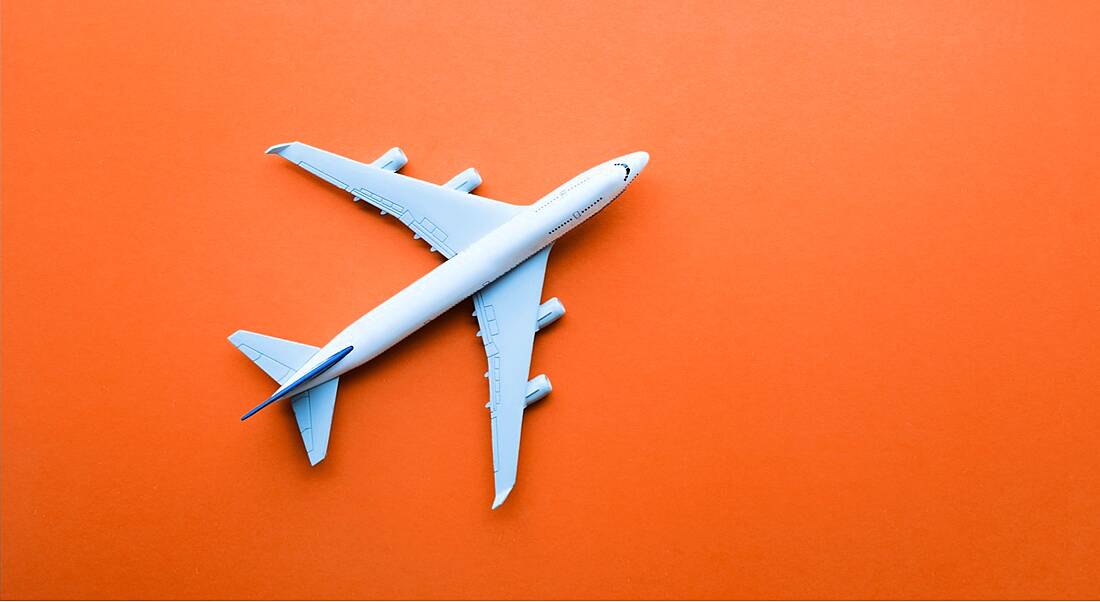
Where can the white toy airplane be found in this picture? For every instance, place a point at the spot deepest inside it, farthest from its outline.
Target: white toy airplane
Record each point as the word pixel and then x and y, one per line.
pixel 496 253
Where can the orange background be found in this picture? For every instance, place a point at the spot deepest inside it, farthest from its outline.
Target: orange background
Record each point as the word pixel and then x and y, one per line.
pixel 841 338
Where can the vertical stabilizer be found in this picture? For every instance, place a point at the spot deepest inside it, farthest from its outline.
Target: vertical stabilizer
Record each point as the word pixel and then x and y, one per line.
pixel 313 409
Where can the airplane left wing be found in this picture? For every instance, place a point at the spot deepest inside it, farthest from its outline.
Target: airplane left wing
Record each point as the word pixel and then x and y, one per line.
pixel 508 312
pixel 448 217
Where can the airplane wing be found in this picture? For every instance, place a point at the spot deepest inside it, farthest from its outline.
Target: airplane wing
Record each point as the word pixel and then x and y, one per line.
pixel 447 216
pixel 508 314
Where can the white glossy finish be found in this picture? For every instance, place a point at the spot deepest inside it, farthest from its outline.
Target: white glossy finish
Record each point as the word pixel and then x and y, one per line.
pixel 474 267
pixel 497 257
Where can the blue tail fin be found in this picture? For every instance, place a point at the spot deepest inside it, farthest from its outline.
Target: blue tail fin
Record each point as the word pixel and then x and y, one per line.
pixel 313 409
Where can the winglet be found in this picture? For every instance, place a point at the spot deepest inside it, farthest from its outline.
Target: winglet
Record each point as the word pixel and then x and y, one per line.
pixel 278 148
pixel 501 496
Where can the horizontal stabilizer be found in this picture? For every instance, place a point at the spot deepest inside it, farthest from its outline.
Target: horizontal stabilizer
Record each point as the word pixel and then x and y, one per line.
pixel 279 358
pixel 284 390
pixel 313 410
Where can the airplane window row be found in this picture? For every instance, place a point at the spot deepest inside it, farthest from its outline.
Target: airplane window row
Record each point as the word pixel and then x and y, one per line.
pixel 561 194
pixel 592 204
pixel 560 226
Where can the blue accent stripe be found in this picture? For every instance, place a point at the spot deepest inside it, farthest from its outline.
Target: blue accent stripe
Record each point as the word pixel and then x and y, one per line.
pixel 323 366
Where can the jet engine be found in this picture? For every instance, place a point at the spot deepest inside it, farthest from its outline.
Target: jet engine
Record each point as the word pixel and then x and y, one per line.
pixel 537 388
pixel 466 181
pixel 549 313
pixel 392 160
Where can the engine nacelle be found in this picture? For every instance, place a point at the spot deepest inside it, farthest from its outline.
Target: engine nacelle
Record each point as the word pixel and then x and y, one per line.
pixel 466 181
pixel 549 313
pixel 537 388
pixel 392 160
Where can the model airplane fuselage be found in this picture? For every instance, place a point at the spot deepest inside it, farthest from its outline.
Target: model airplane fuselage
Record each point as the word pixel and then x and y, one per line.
pixel 487 241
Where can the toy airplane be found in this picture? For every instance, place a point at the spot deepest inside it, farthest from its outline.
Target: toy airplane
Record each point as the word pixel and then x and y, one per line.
pixel 496 253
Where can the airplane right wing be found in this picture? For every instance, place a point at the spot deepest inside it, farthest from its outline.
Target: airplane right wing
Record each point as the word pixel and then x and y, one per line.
pixel 447 216
pixel 508 312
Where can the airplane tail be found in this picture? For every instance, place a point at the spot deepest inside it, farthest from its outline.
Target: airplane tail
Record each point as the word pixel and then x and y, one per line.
pixel 313 408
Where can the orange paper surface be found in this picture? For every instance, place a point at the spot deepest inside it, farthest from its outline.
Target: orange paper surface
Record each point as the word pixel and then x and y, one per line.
pixel 841 338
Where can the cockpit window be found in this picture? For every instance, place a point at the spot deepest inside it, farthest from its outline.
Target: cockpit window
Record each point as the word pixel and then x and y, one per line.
pixel 626 167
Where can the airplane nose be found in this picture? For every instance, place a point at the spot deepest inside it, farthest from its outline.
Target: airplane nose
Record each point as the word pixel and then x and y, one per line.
pixel 633 164
pixel 638 160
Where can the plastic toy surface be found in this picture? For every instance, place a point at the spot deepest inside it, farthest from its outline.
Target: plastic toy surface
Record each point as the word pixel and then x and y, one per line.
pixel 496 253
